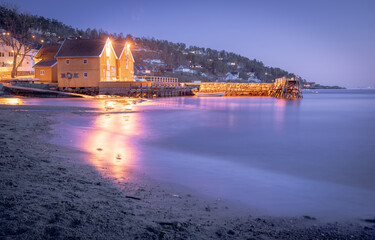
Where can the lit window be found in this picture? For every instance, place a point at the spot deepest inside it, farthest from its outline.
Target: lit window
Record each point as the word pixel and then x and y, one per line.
pixel 85 75
pixel 41 72
pixel 62 75
pixel 84 61
pixel 108 50
pixel 67 61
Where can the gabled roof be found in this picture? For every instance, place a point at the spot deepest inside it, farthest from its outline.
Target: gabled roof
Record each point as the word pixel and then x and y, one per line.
pixel 81 48
pixel 120 47
pixel 47 52
pixel 46 63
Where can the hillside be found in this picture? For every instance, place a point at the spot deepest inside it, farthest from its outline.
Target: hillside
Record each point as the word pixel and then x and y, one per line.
pixel 156 57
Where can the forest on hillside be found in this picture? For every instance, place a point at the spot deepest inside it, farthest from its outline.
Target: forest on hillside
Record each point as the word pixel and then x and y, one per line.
pixel 210 64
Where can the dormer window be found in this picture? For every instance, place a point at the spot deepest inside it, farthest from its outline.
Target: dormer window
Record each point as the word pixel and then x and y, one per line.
pixel 67 61
pixel 84 61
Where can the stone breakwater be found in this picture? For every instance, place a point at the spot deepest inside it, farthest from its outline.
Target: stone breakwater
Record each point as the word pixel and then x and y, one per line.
pixel 288 88
pixel 238 89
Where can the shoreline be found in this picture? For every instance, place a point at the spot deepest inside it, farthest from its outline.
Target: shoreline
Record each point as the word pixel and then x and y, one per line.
pixel 48 193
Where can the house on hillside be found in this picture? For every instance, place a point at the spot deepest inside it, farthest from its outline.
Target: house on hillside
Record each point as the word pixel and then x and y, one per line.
pixel 83 63
pixel 46 65
pixel 194 65
pixel 185 69
pixel 232 76
pixel 250 74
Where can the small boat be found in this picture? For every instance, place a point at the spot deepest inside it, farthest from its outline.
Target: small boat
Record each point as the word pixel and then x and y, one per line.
pixel 210 94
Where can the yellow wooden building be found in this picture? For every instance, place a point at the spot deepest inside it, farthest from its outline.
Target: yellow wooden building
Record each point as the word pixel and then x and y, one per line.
pixel 46 71
pixel 84 63
pixel 45 68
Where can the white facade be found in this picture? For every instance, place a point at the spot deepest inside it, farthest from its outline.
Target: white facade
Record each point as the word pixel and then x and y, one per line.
pixel 6 60
pixel 232 76
pixel 185 70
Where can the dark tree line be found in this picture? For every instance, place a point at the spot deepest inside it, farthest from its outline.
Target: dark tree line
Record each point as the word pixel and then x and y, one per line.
pixel 41 30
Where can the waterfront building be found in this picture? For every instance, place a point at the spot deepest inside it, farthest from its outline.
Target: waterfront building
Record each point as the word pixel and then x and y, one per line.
pixel 46 65
pixel 84 63
pixel 7 58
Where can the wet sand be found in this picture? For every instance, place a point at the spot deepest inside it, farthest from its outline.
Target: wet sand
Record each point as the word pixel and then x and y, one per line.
pixel 49 192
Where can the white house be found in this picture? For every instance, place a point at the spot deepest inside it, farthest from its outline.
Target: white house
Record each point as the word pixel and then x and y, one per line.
pixel 185 69
pixel 232 76
pixel 251 74
pixel 7 58
pixel 154 61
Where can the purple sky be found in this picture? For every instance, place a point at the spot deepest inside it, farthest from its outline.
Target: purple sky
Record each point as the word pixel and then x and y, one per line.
pixel 329 42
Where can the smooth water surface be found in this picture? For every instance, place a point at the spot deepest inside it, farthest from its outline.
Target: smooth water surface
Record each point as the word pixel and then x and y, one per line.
pixel 309 157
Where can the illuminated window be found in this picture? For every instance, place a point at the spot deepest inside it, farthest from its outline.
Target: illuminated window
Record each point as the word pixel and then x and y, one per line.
pixel 85 75
pixel 84 61
pixel 41 72
pixel 67 61
pixel 108 50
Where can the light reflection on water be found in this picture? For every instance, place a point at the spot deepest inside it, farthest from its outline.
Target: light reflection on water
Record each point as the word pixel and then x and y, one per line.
pixel 313 156
pixel 11 101
pixel 109 148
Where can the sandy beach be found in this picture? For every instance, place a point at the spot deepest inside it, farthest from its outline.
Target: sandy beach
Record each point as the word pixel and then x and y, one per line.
pixel 48 192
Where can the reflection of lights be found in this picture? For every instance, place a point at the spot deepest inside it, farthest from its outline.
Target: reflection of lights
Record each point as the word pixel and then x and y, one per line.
pixel 111 144
pixel 119 105
pixel 10 101
pixel 109 105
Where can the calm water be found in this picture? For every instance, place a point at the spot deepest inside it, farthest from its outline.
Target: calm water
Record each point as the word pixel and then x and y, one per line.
pixel 315 156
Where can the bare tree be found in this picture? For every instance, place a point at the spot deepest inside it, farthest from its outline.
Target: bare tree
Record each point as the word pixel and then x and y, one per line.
pixel 18 35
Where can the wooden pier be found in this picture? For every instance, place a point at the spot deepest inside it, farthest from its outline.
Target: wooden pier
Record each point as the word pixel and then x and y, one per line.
pixel 144 89
pixel 35 92
pixel 288 88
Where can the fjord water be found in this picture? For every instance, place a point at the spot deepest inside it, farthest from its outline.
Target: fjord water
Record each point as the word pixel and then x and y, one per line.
pixel 314 156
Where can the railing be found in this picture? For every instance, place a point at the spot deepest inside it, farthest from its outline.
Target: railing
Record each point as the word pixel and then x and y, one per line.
pixel 156 79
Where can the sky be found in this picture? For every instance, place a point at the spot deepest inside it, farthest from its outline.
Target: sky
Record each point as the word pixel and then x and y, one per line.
pixel 330 42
